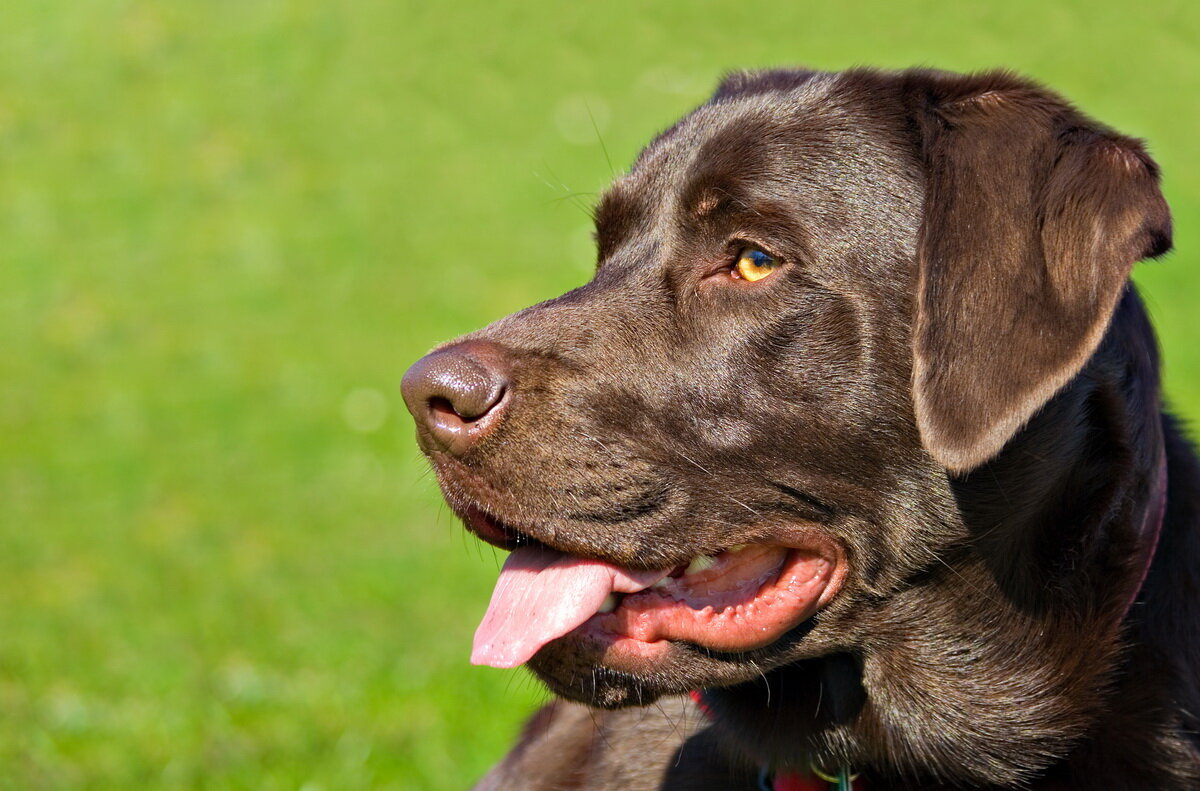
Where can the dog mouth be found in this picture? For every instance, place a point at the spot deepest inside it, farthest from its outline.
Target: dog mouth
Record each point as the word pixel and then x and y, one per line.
pixel 739 599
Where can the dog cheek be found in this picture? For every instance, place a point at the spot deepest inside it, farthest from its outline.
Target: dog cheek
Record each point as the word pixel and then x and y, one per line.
pixel 726 433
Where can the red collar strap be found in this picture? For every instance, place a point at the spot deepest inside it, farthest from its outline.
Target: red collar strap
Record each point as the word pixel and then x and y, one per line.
pixel 818 780
pixel 808 782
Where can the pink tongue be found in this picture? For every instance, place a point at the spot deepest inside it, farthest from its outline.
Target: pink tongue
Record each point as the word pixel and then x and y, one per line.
pixel 542 595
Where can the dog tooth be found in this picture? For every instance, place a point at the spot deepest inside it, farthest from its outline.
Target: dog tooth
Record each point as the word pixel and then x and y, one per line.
pixel 701 563
pixel 665 582
pixel 609 604
pixel 737 548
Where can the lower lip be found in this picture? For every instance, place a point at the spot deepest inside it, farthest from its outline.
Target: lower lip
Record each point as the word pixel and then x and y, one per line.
pixel 618 648
pixel 482 525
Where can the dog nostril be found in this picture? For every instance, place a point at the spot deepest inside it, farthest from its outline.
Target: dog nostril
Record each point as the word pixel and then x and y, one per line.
pixel 442 407
pixel 470 403
pixel 467 409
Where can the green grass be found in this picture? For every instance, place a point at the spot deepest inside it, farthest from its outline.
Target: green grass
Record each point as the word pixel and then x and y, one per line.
pixel 225 230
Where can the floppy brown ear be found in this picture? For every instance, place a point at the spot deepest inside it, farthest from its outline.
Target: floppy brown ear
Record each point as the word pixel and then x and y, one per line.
pixel 1034 217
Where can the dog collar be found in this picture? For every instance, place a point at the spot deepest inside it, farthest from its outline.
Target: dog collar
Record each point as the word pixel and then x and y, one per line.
pixel 815 780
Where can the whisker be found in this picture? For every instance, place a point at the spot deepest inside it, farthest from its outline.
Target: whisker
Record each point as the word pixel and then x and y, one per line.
pixel 611 170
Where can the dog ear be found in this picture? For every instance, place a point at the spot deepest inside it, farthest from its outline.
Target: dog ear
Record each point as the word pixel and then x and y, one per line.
pixel 1034 216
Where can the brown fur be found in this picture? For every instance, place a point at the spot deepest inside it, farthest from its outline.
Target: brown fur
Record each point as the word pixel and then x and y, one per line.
pixel 951 377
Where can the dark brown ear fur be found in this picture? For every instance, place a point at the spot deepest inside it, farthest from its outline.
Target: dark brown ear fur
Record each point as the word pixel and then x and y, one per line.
pixel 1034 217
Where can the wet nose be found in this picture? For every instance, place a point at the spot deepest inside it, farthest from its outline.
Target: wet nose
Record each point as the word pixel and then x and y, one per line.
pixel 457 394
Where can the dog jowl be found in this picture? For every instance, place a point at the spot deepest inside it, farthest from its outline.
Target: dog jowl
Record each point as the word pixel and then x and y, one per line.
pixel 856 432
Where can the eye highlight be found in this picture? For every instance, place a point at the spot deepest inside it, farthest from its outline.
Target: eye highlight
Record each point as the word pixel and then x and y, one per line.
pixel 753 264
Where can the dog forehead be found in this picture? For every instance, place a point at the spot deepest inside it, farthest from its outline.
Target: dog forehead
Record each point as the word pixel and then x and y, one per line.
pixel 824 145
pixel 731 136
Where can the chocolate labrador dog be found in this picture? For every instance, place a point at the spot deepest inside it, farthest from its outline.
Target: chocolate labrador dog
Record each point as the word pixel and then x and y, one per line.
pixel 849 467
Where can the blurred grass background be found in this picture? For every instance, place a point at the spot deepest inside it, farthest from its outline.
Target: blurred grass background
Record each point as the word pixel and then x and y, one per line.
pixel 226 228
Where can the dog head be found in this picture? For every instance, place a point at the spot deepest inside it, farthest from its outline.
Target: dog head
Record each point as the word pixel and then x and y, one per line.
pixel 820 299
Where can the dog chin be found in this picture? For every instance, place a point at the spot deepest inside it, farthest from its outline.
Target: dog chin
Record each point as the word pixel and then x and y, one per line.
pixel 597 686
pixel 612 674
pixel 574 670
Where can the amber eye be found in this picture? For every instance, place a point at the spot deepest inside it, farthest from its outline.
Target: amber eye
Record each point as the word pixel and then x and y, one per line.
pixel 753 264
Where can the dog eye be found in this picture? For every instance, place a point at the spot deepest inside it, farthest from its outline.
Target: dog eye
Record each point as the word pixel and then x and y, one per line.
pixel 753 264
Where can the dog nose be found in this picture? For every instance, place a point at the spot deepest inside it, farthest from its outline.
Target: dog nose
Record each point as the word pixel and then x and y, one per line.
pixel 457 394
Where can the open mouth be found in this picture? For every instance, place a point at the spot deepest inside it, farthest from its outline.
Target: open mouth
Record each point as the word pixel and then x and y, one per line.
pixel 742 598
